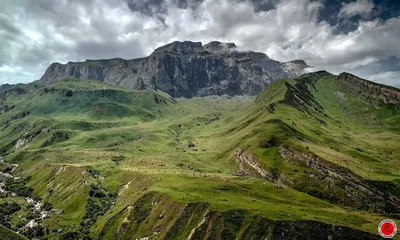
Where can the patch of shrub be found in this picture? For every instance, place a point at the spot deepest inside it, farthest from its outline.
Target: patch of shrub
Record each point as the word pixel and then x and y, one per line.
pixel 70 236
pixel 6 210
pixel 47 206
pixel 273 140
pixel 92 172
pixel 32 215
pixel 35 233
pixel 142 209
pixel 18 187
pixel 117 159
pixel 69 93
pixel 270 143
pixel 57 138
pixel 233 221
pixel 96 191
pixel 98 203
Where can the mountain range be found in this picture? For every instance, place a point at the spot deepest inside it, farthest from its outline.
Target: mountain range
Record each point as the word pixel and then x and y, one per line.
pixel 185 69
pixel 95 154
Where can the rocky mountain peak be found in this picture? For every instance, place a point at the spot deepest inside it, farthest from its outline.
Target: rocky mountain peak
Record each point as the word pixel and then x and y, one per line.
pixel 188 47
pixel 299 62
pixel 296 66
pixel 216 46
pixel 185 69
pixel 185 47
pixel 5 87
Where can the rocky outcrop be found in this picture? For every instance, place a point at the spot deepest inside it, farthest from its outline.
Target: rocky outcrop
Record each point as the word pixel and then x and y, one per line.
pixel 25 139
pixel 297 66
pixel 184 69
pixel 299 94
pixel 372 92
pixel 245 159
pixel 333 171
pixel 5 87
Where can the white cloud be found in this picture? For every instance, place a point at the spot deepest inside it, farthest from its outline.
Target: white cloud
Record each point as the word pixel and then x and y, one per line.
pixel 8 69
pixel 36 33
pixel 387 78
pixel 360 7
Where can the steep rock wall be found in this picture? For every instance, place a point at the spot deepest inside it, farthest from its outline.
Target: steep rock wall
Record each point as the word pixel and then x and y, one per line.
pixel 184 69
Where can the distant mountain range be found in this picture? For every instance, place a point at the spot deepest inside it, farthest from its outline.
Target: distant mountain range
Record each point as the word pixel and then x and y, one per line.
pixel 185 69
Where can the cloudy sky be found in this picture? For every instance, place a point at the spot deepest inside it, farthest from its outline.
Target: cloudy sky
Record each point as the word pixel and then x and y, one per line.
pixel 361 37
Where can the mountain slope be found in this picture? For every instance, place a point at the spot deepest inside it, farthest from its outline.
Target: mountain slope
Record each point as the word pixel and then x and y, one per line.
pixel 26 111
pixel 7 234
pixel 184 69
pixel 5 87
pixel 345 132
pixel 313 152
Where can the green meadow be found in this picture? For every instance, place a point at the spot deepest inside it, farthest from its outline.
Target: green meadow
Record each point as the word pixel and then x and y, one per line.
pixel 129 163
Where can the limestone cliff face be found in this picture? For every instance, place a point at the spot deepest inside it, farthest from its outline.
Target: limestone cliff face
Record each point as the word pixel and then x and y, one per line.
pixel 327 169
pixel 244 158
pixel 247 160
pixel 372 92
pixel 185 69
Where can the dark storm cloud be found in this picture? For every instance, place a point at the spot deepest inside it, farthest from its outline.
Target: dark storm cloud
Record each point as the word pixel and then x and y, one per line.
pixel 148 7
pixel 7 25
pixel 264 5
pixel 157 8
pixel 358 36
pixel 333 12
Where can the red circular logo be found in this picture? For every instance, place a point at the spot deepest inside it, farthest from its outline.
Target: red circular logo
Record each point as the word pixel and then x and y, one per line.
pixel 387 228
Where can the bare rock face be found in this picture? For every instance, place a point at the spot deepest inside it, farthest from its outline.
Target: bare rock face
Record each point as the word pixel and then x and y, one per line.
pixel 246 159
pixel 326 168
pixel 5 87
pixel 295 67
pixel 185 69
pixel 243 158
pixel 374 93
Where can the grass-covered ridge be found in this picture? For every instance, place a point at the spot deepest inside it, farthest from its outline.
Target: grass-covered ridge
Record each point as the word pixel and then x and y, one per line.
pixel 140 164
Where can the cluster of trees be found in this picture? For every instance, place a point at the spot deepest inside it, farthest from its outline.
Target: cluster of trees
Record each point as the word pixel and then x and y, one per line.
pixel 35 232
pixel 74 236
pixel 98 203
pixel 6 209
pixel 92 172
pixel 18 187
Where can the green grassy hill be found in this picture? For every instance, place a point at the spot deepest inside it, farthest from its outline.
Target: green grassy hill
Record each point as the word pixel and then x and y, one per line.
pixel 307 153
pixel 7 234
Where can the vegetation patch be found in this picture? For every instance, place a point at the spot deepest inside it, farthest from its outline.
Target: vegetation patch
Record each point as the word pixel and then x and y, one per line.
pixel 118 159
pixel 233 221
pixel 18 186
pixel 57 137
pixel 98 203
pixel 6 209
